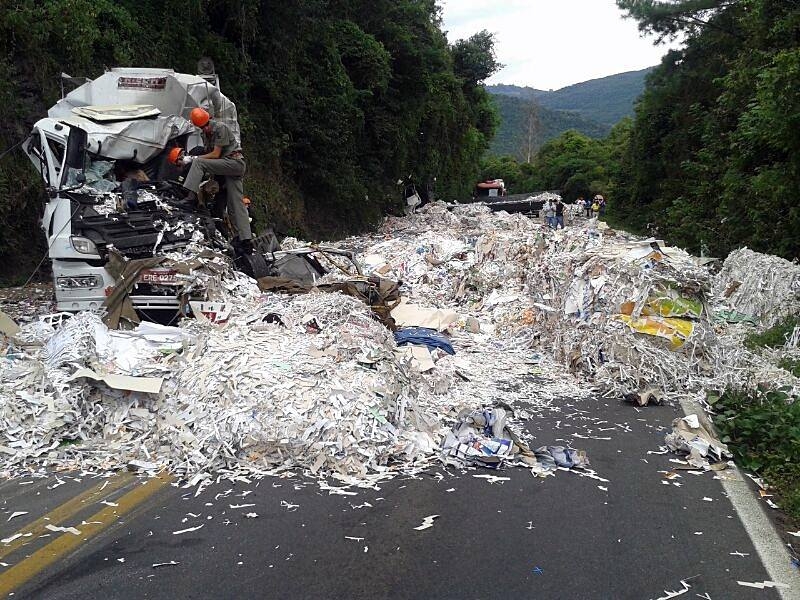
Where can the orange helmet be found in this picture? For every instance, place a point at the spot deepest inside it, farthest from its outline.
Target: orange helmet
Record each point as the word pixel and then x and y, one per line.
pixel 199 117
pixel 174 154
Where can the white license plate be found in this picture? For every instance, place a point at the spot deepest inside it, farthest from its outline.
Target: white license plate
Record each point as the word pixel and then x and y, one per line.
pixel 159 277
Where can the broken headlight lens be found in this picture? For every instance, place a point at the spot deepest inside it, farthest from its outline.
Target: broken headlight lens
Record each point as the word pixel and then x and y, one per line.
pixel 83 245
pixel 80 282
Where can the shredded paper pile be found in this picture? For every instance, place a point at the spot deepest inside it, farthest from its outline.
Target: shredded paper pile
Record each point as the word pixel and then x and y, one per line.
pixel 518 316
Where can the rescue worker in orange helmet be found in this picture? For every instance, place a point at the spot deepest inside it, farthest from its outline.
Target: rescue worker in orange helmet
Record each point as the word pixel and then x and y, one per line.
pixel 223 157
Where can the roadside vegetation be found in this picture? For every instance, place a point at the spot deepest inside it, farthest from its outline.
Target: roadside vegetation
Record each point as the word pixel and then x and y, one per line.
pixel 762 428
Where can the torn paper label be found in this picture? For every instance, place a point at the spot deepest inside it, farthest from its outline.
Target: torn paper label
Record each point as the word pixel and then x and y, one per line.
pixel 217 313
pixel 7 325
pixel 420 357
pixel 411 315
pixel 146 385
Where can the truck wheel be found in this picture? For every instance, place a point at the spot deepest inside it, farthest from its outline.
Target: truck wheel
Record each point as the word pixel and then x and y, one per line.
pixel 253 265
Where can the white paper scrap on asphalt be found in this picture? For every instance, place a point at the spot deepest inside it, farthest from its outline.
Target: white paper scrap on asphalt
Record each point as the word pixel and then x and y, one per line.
pixel 427 523
pixel 171 563
pixel 16 536
pixel 493 478
pixel 761 585
pixel 15 514
pixel 71 530
pixel 676 593
pixel 188 530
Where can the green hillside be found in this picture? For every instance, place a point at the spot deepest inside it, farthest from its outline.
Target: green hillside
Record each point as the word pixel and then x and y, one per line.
pixel 511 134
pixel 591 107
pixel 606 100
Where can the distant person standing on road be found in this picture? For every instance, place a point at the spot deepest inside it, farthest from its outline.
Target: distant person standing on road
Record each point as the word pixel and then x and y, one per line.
pixel 549 213
pixel 580 205
pixel 559 208
pixel 602 202
pixel 596 208
pixel 588 207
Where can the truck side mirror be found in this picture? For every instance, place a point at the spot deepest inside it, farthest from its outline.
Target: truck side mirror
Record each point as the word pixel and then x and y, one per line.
pixel 75 159
pixel 76 148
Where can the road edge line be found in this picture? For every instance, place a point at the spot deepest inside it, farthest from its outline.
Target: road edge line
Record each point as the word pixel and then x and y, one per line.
pixel 767 541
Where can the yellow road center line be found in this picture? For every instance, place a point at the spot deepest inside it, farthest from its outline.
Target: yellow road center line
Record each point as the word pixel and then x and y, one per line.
pixel 60 547
pixel 65 511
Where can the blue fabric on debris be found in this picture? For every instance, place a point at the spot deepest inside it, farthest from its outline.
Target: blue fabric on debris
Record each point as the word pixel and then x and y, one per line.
pixel 422 336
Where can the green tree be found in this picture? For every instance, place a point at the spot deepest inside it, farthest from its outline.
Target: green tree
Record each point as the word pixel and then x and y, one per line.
pixel 713 154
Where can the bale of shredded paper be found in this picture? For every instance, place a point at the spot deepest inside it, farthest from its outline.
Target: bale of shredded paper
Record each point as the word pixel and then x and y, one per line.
pixel 761 286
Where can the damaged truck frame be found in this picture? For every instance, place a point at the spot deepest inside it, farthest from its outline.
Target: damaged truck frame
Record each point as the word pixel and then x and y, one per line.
pixel 112 193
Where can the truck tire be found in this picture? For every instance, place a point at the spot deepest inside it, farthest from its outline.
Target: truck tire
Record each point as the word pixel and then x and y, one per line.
pixel 253 265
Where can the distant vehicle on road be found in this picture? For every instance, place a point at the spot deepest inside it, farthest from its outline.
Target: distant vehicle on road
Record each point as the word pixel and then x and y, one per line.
pixel 491 188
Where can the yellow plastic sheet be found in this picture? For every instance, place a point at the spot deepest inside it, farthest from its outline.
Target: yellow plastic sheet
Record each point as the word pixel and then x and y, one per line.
pixel 677 331
pixel 673 307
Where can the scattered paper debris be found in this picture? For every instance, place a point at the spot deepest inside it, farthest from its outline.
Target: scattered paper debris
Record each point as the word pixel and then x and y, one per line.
pixel 427 523
pixel 188 530
pixel 16 536
pixel 71 530
pixel 16 514
pixel 493 478
pixel 165 564
pixel 763 584
pixel 674 594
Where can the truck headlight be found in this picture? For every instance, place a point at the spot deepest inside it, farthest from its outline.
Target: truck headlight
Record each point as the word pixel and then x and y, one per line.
pixel 83 245
pixel 78 282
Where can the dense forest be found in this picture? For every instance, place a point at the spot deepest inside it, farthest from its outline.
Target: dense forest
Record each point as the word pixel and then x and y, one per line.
pixel 711 160
pixel 338 99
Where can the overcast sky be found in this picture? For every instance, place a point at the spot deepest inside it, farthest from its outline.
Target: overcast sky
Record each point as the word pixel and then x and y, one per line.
pixel 549 44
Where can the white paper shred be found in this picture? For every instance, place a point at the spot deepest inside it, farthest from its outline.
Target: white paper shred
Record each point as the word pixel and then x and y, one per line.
pixel 493 478
pixel 188 530
pixel 674 594
pixel 760 585
pixel 71 530
pixel 427 523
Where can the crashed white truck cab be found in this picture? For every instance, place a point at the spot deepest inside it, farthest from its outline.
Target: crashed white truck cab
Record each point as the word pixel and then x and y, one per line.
pixel 101 153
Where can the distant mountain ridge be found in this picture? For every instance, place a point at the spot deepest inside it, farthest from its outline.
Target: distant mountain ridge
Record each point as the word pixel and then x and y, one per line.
pixel 591 107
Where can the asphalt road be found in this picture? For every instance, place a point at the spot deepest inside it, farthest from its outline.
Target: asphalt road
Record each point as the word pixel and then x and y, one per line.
pixel 563 537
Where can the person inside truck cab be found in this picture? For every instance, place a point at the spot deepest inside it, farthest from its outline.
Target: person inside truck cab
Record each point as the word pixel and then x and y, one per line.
pixel 223 157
